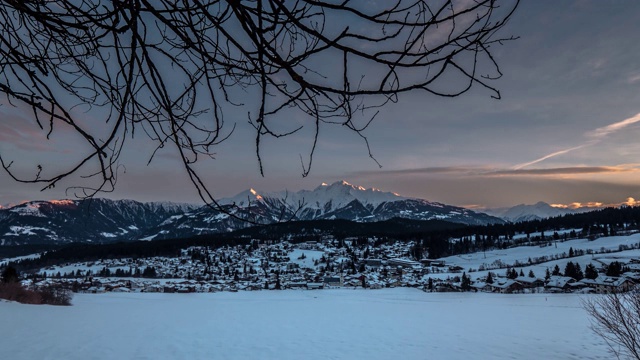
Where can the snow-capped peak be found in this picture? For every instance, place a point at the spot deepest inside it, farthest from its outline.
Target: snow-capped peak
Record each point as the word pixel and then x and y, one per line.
pixel 325 197
pixel 243 199
pixel 340 193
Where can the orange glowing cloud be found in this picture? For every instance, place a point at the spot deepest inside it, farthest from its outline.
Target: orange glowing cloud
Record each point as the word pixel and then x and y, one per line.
pixel 62 202
pixel 631 202
pixel 596 204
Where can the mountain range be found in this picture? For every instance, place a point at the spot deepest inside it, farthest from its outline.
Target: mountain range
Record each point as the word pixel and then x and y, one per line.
pixel 102 220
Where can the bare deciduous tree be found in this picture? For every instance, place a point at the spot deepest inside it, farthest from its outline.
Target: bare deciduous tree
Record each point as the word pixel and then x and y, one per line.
pixel 615 317
pixel 171 69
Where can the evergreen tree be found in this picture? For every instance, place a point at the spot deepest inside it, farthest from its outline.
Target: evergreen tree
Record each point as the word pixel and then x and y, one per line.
pixel 578 272
pixel 614 269
pixel 547 275
pixel 521 273
pixel 531 274
pixel 149 272
pixel 590 271
pixel 9 275
pixel 571 253
pixel 556 270
pixel 489 278
pixel 570 270
pixel 465 282
pixel 514 273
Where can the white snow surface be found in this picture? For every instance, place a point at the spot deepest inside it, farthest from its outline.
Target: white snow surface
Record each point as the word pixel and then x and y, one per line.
pixel 26 230
pixel 310 256
pixel 523 253
pixel 5 261
pixel 30 208
pixel 301 324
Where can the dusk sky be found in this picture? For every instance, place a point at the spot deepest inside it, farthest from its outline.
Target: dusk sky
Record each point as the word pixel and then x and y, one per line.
pixel 565 131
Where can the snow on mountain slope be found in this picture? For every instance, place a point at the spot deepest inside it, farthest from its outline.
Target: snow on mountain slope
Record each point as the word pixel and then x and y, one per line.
pixel 339 194
pixel 328 198
pixel 537 211
pixel 540 210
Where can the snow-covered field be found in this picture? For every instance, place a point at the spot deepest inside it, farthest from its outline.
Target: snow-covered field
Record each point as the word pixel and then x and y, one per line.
pixel 523 253
pixel 326 324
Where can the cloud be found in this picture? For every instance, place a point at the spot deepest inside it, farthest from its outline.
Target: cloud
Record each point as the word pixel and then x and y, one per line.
pixel 633 79
pixel 631 202
pixel 579 205
pixel 595 137
pixel 425 170
pixel 596 204
pixel 490 171
pixel 564 170
pixel 609 129
pixel 561 152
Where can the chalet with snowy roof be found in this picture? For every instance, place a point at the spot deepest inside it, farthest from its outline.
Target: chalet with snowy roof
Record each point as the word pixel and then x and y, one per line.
pixel 445 287
pixel 559 283
pixel 633 276
pixel 530 282
pixel 507 286
pixel 481 286
pixel 609 284
pixel 153 288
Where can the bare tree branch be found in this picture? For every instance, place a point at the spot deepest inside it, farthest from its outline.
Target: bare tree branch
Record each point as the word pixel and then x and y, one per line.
pixel 173 68
pixel 615 317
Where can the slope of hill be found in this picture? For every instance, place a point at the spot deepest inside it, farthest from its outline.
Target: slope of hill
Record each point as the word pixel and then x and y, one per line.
pixel 96 220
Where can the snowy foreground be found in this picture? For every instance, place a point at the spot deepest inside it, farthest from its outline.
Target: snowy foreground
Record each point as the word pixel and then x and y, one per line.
pixel 327 324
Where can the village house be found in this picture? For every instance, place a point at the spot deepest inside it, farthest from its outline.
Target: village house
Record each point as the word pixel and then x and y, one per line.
pixel 507 286
pixel 333 281
pixel 530 282
pixel 559 283
pixel 608 284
